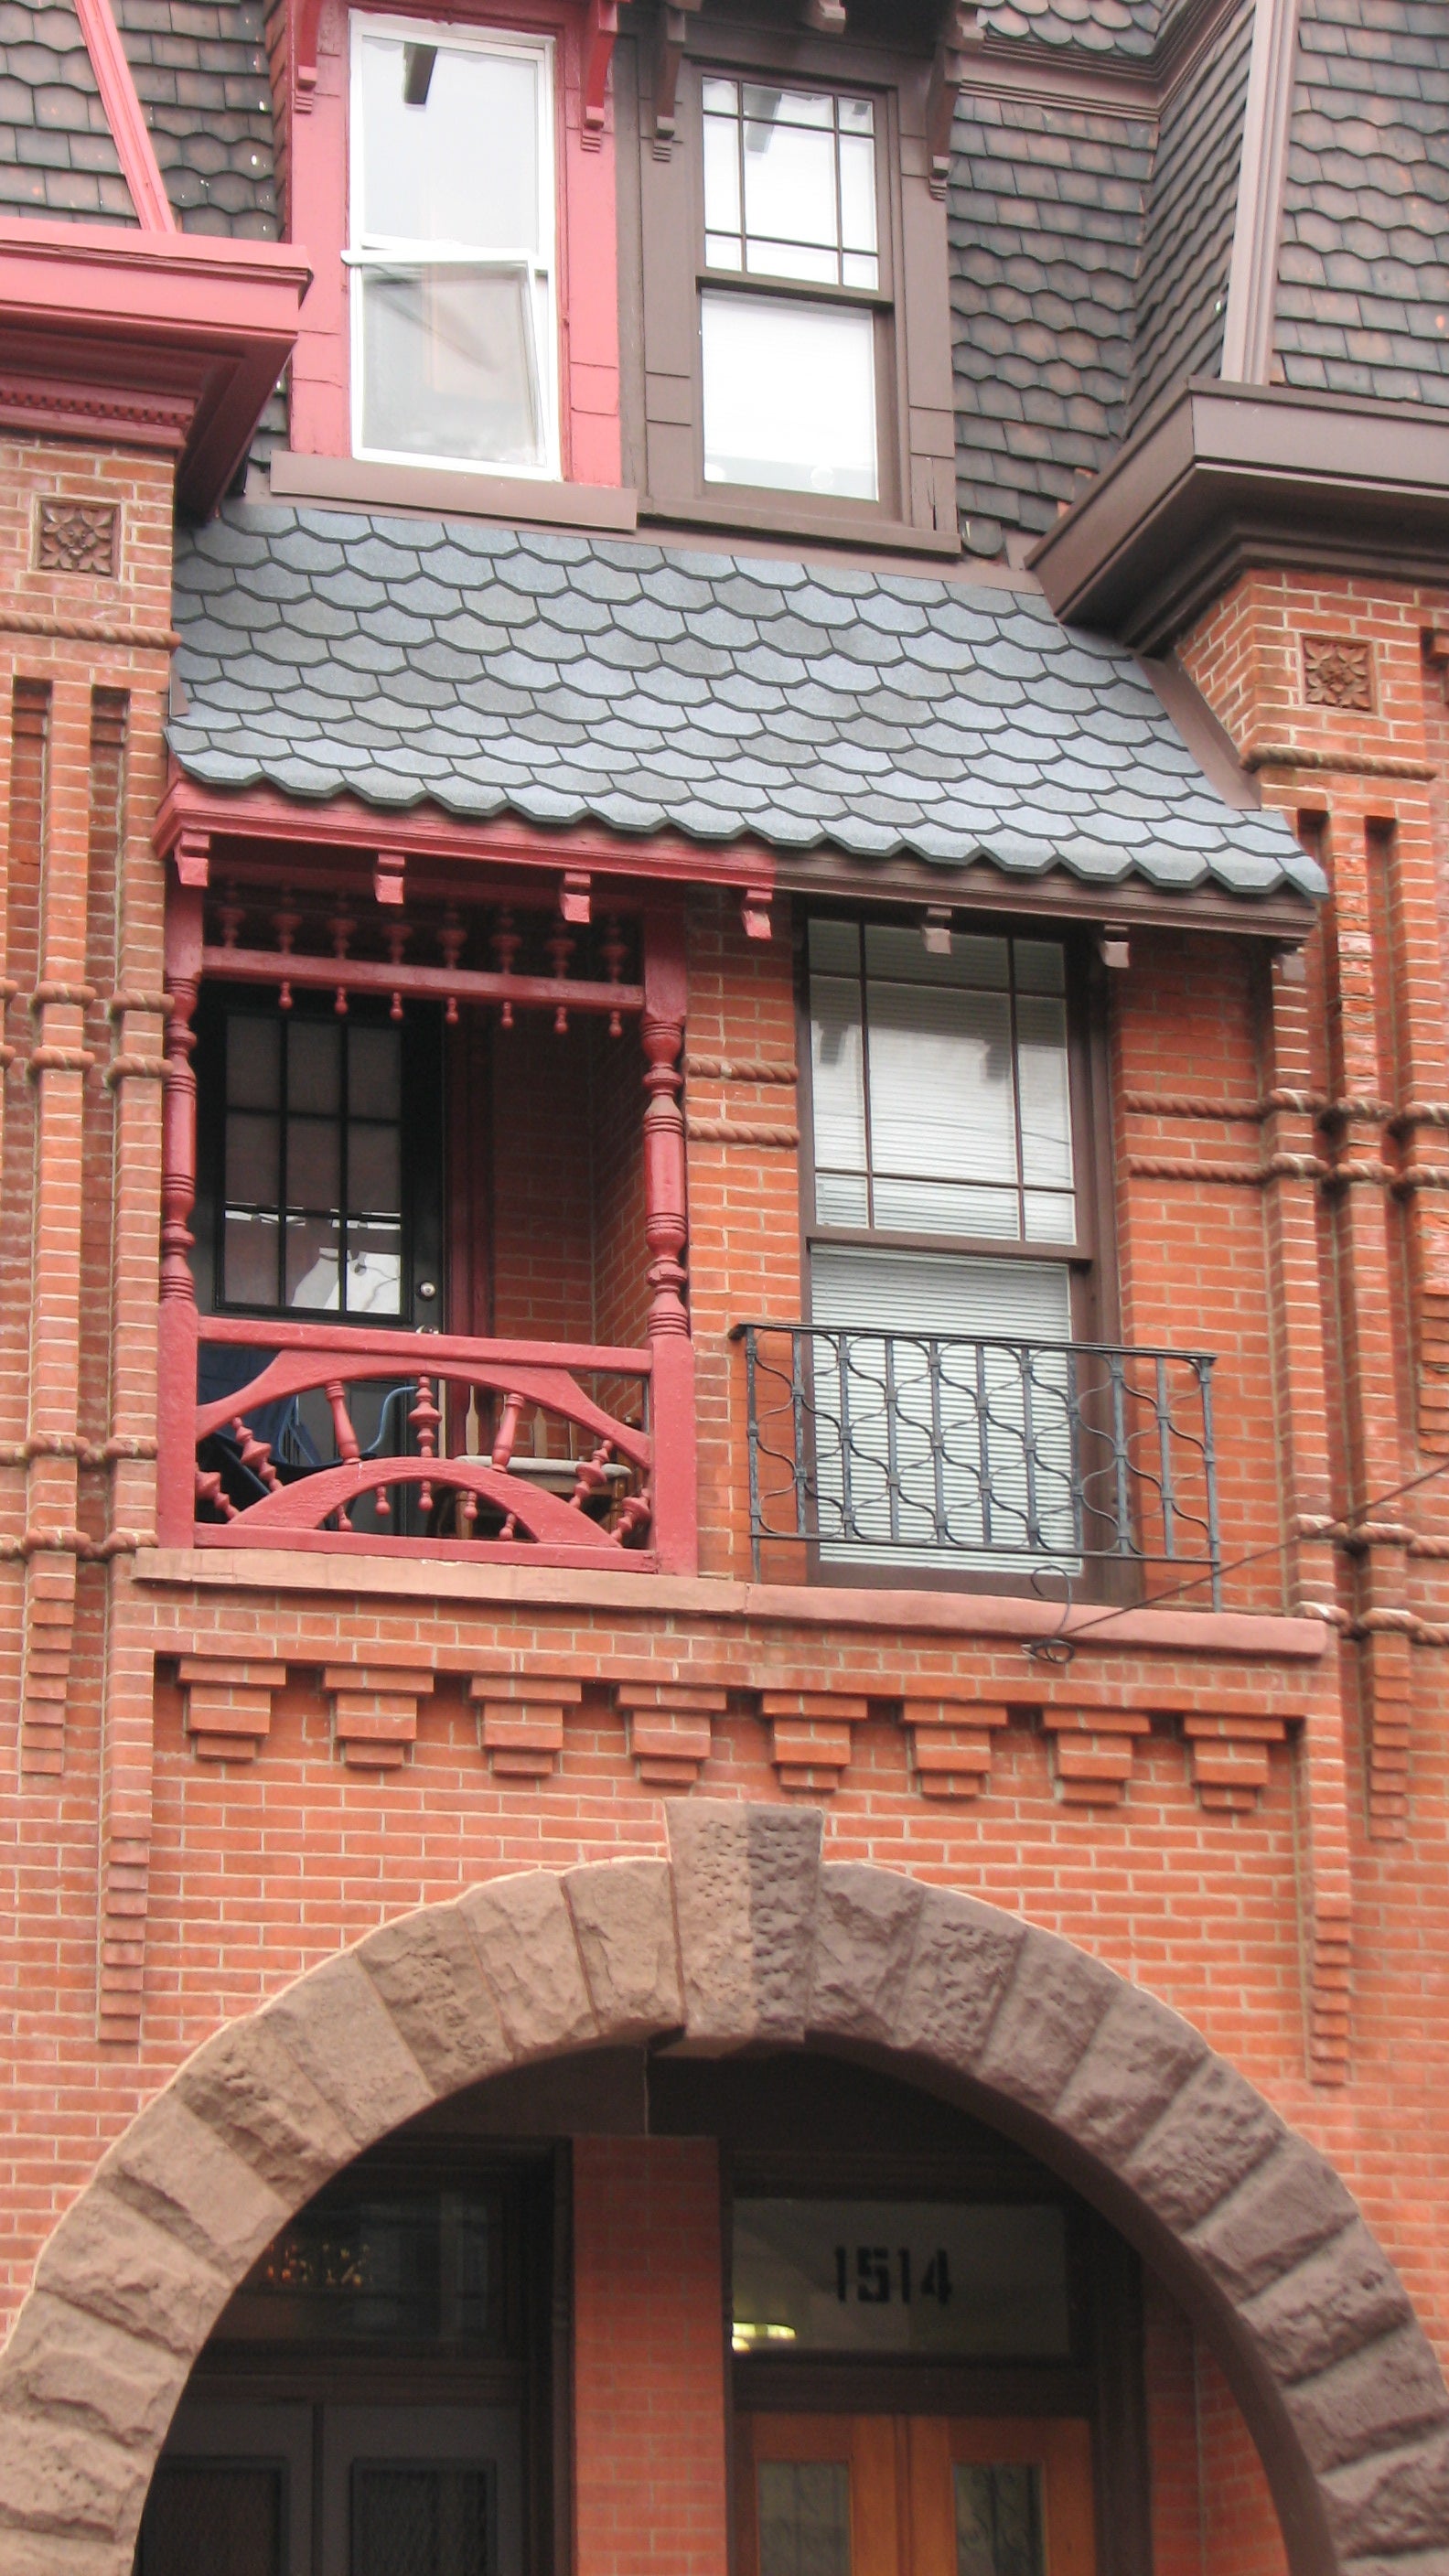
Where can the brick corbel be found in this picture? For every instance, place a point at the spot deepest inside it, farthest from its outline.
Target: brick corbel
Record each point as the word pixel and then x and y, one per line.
pixel 951 1741
pixel 1092 1752
pixel 810 1735
pixel 521 1721
pixel 670 1729
pixel 1228 1757
pixel 227 1703
pixel 374 1711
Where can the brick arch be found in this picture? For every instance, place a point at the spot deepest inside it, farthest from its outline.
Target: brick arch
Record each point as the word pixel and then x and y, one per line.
pixel 741 1939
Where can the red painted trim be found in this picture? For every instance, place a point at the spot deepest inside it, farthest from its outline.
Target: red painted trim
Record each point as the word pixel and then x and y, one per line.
pixel 345 823
pixel 444 1352
pixel 125 116
pixel 196 328
pixel 625 1560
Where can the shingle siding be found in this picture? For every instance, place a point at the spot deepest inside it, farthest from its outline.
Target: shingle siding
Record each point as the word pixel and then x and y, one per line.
pixel 1188 240
pixel 1129 27
pixel 1363 295
pixel 1045 217
pixel 57 156
pixel 200 68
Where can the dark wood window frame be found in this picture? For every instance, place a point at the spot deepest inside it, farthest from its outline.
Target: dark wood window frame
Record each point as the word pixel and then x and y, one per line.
pixel 663 271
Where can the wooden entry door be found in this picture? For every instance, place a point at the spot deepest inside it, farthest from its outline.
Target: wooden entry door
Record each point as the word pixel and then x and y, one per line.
pixel 914 2495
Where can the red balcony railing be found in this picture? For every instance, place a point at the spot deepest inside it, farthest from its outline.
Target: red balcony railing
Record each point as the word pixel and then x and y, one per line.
pixel 322 1436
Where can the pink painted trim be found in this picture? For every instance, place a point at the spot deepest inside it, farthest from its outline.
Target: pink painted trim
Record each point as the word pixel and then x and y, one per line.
pixel 127 120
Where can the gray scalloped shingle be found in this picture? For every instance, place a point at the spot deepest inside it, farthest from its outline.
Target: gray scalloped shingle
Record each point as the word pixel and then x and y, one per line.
pixel 1363 278
pixel 916 715
pixel 57 153
pixel 200 68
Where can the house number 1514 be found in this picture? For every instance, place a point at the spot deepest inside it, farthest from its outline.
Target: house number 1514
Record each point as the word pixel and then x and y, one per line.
pixel 867 2270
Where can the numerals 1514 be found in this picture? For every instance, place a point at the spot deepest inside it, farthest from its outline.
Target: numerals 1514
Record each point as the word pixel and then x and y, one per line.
pixel 869 2274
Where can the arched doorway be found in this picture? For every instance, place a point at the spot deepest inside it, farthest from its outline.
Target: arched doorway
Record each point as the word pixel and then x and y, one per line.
pixel 741 1941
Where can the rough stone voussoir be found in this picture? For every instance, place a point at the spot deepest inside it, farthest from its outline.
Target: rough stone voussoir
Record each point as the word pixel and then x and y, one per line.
pixel 623 1916
pixel 709 1855
pixel 60 2476
pixel 250 2089
pixel 1392 2502
pixel 865 1932
pixel 336 2026
pixel 62 2553
pixel 109 2259
pixel 178 2172
pixel 525 1937
pixel 1215 2132
pixel 1141 2055
pixel 1288 2207
pixel 62 2358
pixel 1373 2400
pixel 1049 2015
pixel 427 1971
pixel 959 1971
pixel 1344 2296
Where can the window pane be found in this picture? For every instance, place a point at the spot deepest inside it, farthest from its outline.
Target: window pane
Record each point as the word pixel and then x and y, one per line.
pixel 857 192
pixel 860 268
pixel 891 948
pixel 420 2519
pixel 313 1244
pixel 460 167
pixel 314 1067
pixel 448 365
pixel 252 1159
pixel 789 396
pixel 841 1198
pixel 722 250
pixel 1041 965
pixel 837 1074
pixel 374 1171
pixel 722 173
pixel 374 1072
pixel 314 1164
pixel 940 1084
pixel 1046 1107
pixel 222 2515
pixel 1051 1216
pixel 947 1207
pixel 790 184
pixel 372 1280
pixel 837 944
pixel 721 97
pixel 791 259
pixel 998 2519
pixel 249 1260
pixel 253 1060
pixel 804 2518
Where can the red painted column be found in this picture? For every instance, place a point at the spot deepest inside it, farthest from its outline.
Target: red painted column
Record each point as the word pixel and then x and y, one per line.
pixel 649 2359
pixel 177 1322
pixel 666 1230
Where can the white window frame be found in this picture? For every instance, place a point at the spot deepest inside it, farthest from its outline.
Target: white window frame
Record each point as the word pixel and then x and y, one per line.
pixel 379 252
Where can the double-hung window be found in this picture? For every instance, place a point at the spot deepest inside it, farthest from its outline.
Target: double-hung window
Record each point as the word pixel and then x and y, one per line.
pixel 453 257
pixel 946 1229
pixel 792 200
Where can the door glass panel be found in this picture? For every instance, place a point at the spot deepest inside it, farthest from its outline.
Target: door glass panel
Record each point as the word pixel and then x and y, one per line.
pixel 985 2280
pixel 804 2518
pixel 224 2516
pixel 421 2518
pixel 998 2519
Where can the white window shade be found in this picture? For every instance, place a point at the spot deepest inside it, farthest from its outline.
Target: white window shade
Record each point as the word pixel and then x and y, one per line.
pixel 789 395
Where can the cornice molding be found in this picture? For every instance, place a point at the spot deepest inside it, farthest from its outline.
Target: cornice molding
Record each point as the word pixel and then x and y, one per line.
pixel 1253 273
pixel 1053 77
pixel 1230 477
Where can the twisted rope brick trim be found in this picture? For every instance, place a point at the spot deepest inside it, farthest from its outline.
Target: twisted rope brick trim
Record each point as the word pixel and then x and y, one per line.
pixel 55 1059
pixel 741 1068
pixel 125 1001
pixel 739 1131
pixel 1246 1176
pixel 1196 1104
pixel 74 1542
pixel 88 630
pixel 139 1068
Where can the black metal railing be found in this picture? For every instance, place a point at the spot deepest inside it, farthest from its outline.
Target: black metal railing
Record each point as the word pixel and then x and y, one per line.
pixel 932 1450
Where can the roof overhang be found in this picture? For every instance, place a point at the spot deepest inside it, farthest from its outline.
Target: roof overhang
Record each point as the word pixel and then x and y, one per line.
pixel 162 340
pixel 1231 477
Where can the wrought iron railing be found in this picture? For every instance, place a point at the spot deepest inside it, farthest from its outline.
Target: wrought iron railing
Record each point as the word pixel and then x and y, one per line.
pixel 926 1450
pixel 329 1436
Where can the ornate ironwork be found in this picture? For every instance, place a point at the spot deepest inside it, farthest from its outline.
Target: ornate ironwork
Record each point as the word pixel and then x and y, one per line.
pixel 1032 1458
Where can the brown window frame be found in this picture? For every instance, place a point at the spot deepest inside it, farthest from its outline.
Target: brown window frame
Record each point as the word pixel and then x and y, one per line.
pixel 663 273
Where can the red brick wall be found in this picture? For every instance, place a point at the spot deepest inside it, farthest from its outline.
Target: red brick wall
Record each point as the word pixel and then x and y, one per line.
pixel 1211 2509
pixel 649 2387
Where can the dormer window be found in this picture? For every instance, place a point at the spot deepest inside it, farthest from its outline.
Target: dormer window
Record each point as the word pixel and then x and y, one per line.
pixel 789 379
pixel 454 309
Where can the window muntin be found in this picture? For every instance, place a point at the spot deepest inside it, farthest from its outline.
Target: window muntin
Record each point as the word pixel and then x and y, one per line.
pixel 455 296
pixel 941 1084
pixel 790 194
pixel 312 1210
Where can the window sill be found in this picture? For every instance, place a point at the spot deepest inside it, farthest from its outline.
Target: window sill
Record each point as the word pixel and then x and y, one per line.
pixel 782 518
pixel 347 482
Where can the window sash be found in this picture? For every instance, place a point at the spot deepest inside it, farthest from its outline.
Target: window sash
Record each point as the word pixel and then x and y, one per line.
pixel 373 253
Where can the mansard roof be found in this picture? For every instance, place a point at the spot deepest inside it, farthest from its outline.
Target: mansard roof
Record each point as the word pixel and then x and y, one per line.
pixel 200 69
pixel 567 679
pixel 57 154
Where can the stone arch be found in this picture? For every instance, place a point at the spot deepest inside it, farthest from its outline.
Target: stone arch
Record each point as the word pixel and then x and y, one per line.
pixel 742 1938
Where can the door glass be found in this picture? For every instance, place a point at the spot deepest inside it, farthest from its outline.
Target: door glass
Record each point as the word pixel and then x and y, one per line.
pixel 225 2516
pixel 998 2519
pixel 421 2518
pixel 804 2518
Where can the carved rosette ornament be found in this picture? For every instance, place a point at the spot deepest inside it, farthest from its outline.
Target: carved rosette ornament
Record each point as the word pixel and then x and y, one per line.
pixel 1338 672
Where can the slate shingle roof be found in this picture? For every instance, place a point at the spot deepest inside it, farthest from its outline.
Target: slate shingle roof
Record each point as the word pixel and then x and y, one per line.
pixel 1363 293
pixel 57 156
pixel 1093 26
pixel 1187 243
pixel 565 678
pixel 200 68
pixel 1044 215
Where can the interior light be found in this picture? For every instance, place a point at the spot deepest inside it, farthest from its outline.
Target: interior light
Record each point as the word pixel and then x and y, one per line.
pixel 746 2336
